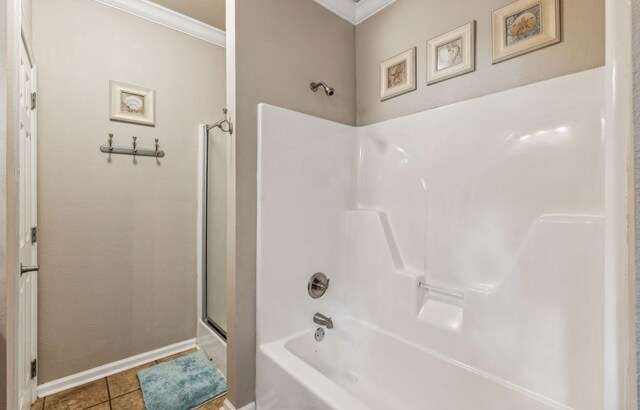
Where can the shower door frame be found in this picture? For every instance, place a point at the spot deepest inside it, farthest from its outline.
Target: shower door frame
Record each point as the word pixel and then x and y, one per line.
pixel 205 214
pixel 208 338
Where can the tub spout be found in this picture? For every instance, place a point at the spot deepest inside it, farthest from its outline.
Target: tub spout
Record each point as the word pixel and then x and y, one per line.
pixel 322 320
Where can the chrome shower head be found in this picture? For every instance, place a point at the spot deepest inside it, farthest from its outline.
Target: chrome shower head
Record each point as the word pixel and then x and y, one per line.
pixel 327 90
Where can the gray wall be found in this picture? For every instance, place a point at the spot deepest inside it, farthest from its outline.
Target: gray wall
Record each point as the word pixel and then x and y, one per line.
pixel 117 239
pixel 408 23
pixel 281 46
pixel 636 144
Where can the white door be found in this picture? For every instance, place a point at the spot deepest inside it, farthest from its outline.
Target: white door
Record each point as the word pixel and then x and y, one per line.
pixel 28 282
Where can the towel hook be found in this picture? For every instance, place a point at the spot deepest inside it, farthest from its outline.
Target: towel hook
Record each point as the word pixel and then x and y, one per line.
pixel 135 149
pixel 110 142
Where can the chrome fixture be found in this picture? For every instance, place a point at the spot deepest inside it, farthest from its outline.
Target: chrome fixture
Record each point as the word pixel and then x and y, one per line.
pixel 221 124
pixel 319 334
pixel 109 148
pixel 450 292
pixel 327 90
pixel 322 320
pixel 318 284
pixel 27 269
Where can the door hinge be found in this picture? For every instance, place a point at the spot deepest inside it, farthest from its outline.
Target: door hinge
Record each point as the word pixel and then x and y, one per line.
pixel 34 368
pixel 34 234
pixel 34 101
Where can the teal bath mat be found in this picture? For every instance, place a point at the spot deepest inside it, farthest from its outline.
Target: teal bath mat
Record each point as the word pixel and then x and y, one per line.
pixel 182 384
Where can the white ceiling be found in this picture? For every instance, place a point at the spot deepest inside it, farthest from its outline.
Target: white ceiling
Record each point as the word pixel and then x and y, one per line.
pixel 354 12
pixel 211 12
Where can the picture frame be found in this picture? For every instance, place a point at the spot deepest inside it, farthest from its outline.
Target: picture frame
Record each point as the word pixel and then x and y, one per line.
pixel 133 104
pixel 524 26
pixel 398 75
pixel 452 54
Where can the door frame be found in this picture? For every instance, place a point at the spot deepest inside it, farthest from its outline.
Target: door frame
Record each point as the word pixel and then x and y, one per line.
pixel 17 34
pixel 32 349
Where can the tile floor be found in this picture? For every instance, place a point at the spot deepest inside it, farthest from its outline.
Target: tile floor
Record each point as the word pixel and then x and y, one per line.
pixel 118 392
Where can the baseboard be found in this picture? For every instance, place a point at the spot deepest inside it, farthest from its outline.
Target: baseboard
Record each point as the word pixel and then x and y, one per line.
pixel 96 373
pixel 228 406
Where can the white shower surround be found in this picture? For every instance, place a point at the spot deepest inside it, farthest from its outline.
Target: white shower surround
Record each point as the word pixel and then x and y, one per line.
pixel 500 199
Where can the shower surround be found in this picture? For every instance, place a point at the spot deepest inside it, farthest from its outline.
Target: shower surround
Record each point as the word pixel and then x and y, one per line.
pixel 465 249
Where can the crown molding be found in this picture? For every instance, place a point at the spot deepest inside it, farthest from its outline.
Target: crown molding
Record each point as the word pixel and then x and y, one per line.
pixel 354 13
pixel 169 18
pixel 342 8
pixel 367 8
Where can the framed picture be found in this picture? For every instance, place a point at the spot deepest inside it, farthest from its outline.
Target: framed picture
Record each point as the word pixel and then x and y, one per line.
pixel 452 54
pixel 130 103
pixel 398 75
pixel 523 27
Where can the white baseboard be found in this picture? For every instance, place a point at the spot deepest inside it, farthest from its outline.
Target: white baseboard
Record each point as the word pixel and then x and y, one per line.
pixel 96 373
pixel 228 406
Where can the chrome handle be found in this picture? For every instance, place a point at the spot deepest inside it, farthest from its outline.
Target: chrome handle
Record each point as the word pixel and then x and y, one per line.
pixel 27 269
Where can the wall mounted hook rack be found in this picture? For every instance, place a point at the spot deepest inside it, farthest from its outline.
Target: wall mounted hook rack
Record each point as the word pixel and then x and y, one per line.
pixel 109 148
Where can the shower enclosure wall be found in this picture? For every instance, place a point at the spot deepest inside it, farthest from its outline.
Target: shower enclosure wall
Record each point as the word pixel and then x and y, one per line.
pixel 465 250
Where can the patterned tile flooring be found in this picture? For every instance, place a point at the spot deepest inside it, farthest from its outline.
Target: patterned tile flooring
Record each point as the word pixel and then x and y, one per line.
pixel 118 392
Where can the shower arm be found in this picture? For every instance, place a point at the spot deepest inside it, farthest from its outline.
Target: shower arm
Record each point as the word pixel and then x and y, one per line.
pixel 327 90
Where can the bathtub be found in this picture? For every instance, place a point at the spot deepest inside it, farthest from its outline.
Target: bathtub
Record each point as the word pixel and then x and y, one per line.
pixel 358 366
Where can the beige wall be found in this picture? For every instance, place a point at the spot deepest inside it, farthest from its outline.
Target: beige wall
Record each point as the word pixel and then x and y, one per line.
pixel 281 46
pixel 409 23
pixel 636 125
pixel 117 238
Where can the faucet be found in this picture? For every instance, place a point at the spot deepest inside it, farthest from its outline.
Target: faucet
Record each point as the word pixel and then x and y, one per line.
pixel 322 320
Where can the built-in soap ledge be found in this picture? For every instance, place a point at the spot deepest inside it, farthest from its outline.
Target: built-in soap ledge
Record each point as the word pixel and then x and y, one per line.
pixel 441 306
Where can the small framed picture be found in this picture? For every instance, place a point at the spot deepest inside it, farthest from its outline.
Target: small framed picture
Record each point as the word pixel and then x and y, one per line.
pixel 398 75
pixel 130 103
pixel 451 54
pixel 523 27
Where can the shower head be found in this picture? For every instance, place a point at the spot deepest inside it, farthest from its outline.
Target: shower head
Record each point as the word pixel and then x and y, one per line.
pixel 327 90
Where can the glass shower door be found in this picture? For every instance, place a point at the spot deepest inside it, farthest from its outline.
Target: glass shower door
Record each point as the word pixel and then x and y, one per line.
pixel 215 263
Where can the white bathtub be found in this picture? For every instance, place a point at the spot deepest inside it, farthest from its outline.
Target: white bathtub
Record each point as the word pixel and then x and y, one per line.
pixel 357 366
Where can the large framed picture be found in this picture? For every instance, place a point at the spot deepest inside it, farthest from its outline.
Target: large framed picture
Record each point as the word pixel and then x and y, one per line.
pixel 133 104
pixel 398 75
pixel 524 26
pixel 451 54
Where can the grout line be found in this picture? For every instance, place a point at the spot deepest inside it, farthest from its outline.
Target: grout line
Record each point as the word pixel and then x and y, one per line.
pixel 97 404
pixel 108 390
